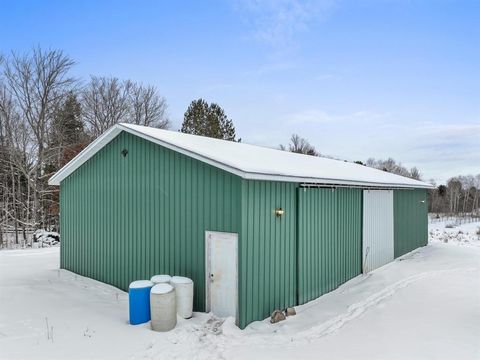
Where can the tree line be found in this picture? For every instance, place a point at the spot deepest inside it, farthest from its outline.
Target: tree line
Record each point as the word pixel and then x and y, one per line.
pixel 47 116
pixel 460 196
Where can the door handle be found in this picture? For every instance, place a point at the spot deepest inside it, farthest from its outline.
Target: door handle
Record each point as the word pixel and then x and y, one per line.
pixel 211 277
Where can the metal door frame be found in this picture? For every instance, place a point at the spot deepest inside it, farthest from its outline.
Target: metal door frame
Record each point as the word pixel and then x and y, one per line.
pixel 207 269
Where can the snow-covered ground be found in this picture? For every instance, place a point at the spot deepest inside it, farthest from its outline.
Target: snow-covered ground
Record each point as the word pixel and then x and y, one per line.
pixel 425 305
pixel 451 231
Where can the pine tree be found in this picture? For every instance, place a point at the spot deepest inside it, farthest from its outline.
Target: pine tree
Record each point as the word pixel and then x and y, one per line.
pixel 209 120
pixel 67 136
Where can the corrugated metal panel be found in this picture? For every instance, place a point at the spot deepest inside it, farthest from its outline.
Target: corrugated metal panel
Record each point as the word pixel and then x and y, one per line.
pixel 411 220
pixel 349 206
pixel 329 239
pixel 266 250
pixel 128 218
pixel 377 228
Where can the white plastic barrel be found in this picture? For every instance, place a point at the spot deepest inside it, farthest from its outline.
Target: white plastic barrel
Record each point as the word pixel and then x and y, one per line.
pixel 160 279
pixel 163 307
pixel 184 292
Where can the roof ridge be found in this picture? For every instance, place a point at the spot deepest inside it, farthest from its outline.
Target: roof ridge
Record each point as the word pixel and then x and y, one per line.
pixel 248 161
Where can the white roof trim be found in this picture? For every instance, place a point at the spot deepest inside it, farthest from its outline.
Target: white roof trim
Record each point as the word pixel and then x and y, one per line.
pixel 84 155
pixel 110 134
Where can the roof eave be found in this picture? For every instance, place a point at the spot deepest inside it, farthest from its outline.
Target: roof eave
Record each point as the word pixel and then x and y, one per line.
pixel 333 182
pixel 110 134
pixel 84 155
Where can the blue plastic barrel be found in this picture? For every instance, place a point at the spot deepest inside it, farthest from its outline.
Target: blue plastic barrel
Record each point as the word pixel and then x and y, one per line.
pixel 139 301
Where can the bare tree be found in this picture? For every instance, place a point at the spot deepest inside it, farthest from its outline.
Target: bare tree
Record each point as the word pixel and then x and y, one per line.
pixel 460 196
pixel 476 194
pixel 38 81
pixel 390 165
pixel 45 120
pixel 105 103
pixel 15 167
pixel 415 173
pixel 147 107
pixel 454 187
pixel 300 145
pixel 467 183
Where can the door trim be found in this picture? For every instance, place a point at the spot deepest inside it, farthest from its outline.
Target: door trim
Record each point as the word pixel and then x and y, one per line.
pixel 207 270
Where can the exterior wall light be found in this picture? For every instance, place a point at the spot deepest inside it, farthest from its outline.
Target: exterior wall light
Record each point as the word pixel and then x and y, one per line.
pixel 279 212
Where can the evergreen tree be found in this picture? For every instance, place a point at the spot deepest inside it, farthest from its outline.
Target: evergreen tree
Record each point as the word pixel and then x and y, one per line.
pixel 209 120
pixel 67 136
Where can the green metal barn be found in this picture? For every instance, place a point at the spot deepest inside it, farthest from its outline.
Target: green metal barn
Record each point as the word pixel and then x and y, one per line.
pixel 257 229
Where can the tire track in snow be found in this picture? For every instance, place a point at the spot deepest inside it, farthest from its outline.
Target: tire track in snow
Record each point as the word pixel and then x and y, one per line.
pixel 354 311
pixel 332 325
pixel 207 340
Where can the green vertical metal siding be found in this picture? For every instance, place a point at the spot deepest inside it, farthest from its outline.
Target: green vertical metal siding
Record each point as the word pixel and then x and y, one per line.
pixel 267 256
pixel 410 220
pixel 329 239
pixel 349 231
pixel 128 218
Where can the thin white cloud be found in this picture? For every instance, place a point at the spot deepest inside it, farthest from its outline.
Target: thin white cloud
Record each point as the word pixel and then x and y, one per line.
pixel 216 87
pixel 440 150
pixel 276 22
pixel 272 67
pixel 307 116
pixel 315 116
pixel 451 130
pixel 323 77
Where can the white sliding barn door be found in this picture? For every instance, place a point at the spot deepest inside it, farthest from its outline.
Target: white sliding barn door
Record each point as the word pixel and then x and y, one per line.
pixel 378 245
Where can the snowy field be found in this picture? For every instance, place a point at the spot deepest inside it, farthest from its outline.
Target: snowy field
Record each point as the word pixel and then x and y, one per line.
pixel 452 232
pixel 425 305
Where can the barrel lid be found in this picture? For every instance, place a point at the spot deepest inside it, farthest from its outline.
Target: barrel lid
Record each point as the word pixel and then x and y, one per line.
pixel 140 284
pixel 161 289
pixel 180 280
pixel 158 279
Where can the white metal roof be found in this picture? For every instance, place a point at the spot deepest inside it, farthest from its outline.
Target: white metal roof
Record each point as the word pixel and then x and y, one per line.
pixel 249 161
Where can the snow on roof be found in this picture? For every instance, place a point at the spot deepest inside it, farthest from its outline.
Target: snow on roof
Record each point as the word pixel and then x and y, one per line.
pixel 250 161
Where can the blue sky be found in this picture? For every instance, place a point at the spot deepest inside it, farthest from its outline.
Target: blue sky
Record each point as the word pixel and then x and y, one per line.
pixel 359 79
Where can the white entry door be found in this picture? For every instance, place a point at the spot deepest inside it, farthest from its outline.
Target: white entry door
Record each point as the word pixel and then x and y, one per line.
pixel 378 247
pixel 221 273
